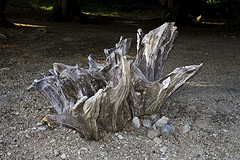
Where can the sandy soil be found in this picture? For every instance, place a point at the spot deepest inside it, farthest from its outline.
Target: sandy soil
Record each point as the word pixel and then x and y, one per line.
pixel 209 102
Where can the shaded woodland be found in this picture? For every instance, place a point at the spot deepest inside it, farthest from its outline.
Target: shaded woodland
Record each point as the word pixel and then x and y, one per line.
pixel 183 12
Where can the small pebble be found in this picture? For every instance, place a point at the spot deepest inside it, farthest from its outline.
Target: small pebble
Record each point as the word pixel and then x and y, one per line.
pixel 167 129
pixel 82 151
pixel 52 141
pixel 43 128
pixel 154 117
pixel 136 122
pixel 63 156
pixel 186 128
pixel 163 149
pixel 56 153
pixel 102 154
pixel 120 137
pixel 28 136
pixel 162 121
pixel 157 140
pixel 39 124
pixel 147 123
pixel 15 113
pixel 152 133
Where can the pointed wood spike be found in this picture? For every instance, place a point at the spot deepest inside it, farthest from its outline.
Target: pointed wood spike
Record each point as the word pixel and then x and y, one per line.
pixel 153 49
pixel 51 89
pixel 74 122
pixel 84 122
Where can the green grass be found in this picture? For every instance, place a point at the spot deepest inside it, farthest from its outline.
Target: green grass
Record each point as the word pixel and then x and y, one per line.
pixel 91 7
pixel 213 2
pixel 45 5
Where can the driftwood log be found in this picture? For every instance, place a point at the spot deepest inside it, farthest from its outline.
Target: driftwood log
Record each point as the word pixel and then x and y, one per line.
pixel 106 96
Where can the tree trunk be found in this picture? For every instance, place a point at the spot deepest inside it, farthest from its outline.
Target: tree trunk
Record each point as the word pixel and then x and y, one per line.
pixel 184 11
pixel 178 11
pixel 106 96
pixel 67 10
pixel 2 11
pixel 3 21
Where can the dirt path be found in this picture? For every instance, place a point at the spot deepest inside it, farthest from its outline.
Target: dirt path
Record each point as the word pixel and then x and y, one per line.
pixel 209 102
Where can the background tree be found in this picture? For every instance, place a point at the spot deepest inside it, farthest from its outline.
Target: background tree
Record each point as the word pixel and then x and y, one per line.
pixel 225 9
pixel 67 10
pixel 3 21
pixel 183 11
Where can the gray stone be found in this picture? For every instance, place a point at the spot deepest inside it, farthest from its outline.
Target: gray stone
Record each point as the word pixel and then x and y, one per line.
pixel 153 133
pixel 28 136
pixel 167 129
pixel 53 141
pixel 237 116
pixel 162 121
pixel 39 124
pixel 56 153
pixel 154 117
pixel 163 149
pixel 136 122
pixel 43 128
pixel 146 123
pixel 102 154
pixel 120 137
pixel 63 156
pixel 83 151
pixel 157 140
pixel 186 128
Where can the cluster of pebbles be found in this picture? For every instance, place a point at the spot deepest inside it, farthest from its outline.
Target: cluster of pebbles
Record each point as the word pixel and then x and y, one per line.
pixel 141 139
pixel 159 128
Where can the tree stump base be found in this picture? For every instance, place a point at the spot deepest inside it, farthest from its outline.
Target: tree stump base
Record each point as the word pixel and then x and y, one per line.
pixel 106 96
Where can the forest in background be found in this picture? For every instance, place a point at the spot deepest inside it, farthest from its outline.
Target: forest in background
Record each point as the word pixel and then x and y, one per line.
pixel 224 11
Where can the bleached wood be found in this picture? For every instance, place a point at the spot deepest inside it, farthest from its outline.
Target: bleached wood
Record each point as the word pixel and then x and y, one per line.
pixel 106 96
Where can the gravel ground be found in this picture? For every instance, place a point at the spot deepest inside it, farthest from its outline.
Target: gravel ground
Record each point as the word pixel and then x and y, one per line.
pixel 209 102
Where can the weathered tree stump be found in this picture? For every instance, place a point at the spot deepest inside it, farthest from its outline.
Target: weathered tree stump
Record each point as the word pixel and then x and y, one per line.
pixel 106 96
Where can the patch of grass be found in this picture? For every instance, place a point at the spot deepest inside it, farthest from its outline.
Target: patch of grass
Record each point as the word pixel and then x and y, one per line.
pixel 31 4
pixel 46 8
pixel 36 9
pixel 128 9
pixel 116 8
